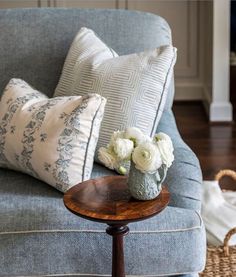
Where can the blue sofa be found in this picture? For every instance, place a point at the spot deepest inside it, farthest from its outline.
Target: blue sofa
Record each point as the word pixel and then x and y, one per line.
pixel 38 235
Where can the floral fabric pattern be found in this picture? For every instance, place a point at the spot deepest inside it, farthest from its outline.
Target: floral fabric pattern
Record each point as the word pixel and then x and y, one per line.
pixel 50 139
pixel 65 145
pixel 29 134
pixel 12 108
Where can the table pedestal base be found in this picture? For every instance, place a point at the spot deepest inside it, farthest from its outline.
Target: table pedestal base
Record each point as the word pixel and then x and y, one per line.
pixel 117 232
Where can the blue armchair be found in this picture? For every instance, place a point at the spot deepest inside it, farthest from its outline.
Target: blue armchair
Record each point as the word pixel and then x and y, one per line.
pixel 38 236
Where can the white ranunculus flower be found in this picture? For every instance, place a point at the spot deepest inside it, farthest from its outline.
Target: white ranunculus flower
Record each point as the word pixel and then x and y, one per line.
pixel 167 155
pixel 147 157
pixel 134 134
pixel 114 137
pixel 164 137
pixel 123 148
pixel 107 158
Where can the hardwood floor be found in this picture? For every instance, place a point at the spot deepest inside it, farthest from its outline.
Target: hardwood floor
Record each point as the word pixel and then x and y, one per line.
pixel 214 144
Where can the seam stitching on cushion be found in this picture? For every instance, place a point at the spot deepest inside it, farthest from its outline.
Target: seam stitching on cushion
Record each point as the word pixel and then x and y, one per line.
pixel 184 196
pixel 98 231
pixel 200 218
pixel 191 198
pixel 193 180
pixel 167 231
pixel 89 140
pixel 102 275
pixel 163 90
pixel 191 164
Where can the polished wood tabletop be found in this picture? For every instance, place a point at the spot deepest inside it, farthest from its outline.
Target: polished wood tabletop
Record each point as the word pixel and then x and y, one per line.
pixel 107 199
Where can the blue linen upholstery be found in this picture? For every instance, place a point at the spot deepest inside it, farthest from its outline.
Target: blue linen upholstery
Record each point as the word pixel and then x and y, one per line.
pixel 36 230
pixel 38 236
pixel 184 178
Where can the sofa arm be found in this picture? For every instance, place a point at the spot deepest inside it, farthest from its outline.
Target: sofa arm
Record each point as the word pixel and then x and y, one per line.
pixel 184 178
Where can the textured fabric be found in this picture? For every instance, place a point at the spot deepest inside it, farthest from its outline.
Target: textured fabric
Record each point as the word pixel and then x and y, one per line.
pixel 51 139
pixel 219 215
pixel 184 177
pixel 229 196
pixel 135 85
pixel 39 236
pixel 43 39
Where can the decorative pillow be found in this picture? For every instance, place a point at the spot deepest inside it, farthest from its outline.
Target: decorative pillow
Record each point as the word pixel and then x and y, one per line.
pixel 51 139
pixel 135 85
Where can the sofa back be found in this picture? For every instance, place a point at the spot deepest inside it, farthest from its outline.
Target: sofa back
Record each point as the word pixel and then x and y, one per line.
pixel 34 42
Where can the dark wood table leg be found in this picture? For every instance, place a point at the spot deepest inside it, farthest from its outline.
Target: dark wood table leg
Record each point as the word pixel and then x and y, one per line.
pixel 117 232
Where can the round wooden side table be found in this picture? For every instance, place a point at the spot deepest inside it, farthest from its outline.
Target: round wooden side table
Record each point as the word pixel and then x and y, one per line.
pixel 107 200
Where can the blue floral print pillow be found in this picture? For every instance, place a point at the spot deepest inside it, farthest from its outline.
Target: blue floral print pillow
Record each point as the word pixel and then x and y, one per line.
pixel 53 140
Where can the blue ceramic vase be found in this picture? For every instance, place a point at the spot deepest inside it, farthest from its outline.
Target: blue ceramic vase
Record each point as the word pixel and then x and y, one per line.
pixel 144 186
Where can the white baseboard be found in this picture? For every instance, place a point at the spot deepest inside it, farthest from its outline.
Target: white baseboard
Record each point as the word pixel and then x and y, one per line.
pixel 217 112
pixel 221 112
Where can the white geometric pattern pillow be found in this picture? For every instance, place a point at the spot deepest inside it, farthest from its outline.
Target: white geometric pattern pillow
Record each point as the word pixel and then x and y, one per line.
pixel 51 139
pixel 135 85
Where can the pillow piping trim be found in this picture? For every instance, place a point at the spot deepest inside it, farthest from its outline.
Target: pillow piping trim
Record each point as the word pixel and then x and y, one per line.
pixel 89 139
pixel 161 100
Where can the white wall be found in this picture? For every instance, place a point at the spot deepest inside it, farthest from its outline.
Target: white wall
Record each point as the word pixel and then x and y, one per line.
pixel 220 106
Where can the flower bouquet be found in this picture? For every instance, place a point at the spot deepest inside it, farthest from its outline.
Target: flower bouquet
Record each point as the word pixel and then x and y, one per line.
pixel 146 160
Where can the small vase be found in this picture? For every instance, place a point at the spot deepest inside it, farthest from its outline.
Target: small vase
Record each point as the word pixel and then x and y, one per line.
pixel 144 186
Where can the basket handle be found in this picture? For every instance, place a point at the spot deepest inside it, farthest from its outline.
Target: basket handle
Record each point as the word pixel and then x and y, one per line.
pixel 218 176
pixel 226 241
pixel 225 172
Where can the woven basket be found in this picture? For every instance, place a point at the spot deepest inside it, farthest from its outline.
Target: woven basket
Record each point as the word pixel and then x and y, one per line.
pixel 221 261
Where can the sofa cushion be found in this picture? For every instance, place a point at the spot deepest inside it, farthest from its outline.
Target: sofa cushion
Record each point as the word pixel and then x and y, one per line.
pixel 39 236
pixel 134 85
pixel 51 139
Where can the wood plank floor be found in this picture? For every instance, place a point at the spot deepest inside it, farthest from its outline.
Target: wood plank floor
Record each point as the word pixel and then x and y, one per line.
pixel 214 144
